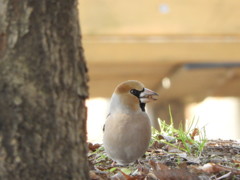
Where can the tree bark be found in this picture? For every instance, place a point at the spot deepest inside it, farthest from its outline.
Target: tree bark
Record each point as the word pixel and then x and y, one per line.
pixel 43 87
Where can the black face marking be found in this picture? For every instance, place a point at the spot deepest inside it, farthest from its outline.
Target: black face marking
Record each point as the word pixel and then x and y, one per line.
pixel 142 106
pixel 137 94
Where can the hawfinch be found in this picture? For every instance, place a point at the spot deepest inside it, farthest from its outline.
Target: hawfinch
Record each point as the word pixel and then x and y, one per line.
pixel 127 130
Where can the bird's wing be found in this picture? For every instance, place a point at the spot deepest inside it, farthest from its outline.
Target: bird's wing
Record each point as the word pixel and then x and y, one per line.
pixel 104 124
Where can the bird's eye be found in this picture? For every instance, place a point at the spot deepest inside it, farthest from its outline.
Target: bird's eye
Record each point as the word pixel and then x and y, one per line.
pixel 132 91
pixel 135 92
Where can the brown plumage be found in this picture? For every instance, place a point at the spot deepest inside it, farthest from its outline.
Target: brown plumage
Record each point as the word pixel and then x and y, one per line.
pixel 127 129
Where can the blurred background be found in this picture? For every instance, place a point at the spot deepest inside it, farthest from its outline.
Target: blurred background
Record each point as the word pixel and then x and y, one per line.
pixel 187 51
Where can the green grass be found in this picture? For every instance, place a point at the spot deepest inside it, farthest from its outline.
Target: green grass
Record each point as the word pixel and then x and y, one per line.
pixel 185 140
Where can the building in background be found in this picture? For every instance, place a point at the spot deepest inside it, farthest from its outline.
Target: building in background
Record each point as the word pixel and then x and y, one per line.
pixel 185 50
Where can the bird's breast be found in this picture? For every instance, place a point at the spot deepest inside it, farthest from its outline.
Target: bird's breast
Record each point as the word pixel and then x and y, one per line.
pixel 125 127
pixel 126 136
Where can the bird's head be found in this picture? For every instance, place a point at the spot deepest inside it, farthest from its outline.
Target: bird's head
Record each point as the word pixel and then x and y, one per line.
pixel 132 95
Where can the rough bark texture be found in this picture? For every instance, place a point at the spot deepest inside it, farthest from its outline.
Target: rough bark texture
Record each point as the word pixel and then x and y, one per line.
pixel 42 91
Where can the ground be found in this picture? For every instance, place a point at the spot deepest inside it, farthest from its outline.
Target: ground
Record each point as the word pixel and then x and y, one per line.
pixel 219 159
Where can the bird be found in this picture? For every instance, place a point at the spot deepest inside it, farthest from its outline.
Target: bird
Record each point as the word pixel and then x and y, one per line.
pixel 127 129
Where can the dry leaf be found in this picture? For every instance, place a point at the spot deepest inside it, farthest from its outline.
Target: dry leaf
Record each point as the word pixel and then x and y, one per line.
pixel 142 170
pixel 163 172
pixel 118 176
pixel 225 176
pixel 93 147
pixel 172 149
pixel 175 174
pixel 153 164
pixel 192 159
pixel 194 133
pixel 236 162
pixel 215 168
pixel 93 175
pixel 157 145
pixel 168 138
pixel 127 177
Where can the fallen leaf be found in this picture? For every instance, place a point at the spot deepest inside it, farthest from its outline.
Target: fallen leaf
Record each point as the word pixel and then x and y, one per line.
pixel 157 145
pixel 175 174
pixel 118 176
pixel 225 176
pixel 168 138
pixel 112 169
pixel 162 166
pixel 126 171
pixel 127 177
pixel 93 147
pixel 194 133
pixel 182 154
pixel 192 159
pixel 94 175
pixel 151 176
pixel 172 149
pixel 236 161
pixel 153 164
pixel 215 168
pixel 142 170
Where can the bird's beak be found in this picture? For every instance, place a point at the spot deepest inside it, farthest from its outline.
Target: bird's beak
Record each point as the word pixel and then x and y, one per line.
pixel 148 95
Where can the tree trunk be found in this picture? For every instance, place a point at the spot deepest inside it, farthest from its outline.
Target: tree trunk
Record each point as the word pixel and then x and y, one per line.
pixel 43 87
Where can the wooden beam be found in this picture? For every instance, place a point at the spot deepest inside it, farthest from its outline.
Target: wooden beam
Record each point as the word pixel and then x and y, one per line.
pixel 104 77
pixel 159 17
pixel 164 52
pixel 195 85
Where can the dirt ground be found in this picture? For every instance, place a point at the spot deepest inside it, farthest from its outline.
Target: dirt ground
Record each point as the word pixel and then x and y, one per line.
pixel 220 159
